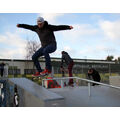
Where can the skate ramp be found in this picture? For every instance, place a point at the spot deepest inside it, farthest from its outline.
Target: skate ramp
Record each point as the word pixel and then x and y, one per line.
pixel 33 95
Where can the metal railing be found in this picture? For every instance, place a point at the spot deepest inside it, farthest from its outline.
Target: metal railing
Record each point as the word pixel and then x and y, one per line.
pixel 77 79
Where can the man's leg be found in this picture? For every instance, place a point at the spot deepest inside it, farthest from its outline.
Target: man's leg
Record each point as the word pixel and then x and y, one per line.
pixel 70 72
pixel 48 49
pixel 35 59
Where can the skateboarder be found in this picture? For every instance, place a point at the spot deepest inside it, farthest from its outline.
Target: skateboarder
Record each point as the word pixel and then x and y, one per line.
pixel 45 32
pixel 69 62
pixel 95 75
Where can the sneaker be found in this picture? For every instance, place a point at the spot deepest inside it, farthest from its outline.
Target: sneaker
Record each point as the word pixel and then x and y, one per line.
pixel 36 74
pixel 45 72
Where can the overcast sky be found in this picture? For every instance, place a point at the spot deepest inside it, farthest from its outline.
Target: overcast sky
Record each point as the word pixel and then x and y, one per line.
pixel 94 35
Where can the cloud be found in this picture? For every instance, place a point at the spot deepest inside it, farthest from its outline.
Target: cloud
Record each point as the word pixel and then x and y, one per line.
pixel 72 52
pixel 106 49
pixel 96 17
pixel 99 51
pixel 79 31
pixel 13 46
pixel 51 17
pixel 111 29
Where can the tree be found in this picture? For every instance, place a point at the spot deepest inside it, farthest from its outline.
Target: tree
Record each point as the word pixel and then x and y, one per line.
pixel 118 59
pixel 31 47
pixel 110 58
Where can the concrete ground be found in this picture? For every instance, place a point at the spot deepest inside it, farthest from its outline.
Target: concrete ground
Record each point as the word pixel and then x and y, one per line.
pixel 100 96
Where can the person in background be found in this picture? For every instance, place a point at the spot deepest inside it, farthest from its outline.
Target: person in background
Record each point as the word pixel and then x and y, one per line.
pixel 2 68
pixel 95 75
pixel 45 32
pixel 69 62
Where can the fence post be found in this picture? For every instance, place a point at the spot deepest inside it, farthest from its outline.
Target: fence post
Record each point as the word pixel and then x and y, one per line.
pixel 42 83
pixel 109 69
pixel 61 84
pixel 77 82
pixel 89 90
pixel 52 74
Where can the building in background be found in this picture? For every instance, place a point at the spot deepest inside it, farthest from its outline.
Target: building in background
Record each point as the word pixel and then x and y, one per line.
pixel 22 67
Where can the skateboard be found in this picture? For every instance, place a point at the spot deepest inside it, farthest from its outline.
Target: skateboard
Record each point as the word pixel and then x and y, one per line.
pixel 40 77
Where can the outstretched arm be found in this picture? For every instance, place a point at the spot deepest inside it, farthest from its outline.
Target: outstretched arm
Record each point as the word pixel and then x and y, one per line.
pixel 60 27
pixel 30 27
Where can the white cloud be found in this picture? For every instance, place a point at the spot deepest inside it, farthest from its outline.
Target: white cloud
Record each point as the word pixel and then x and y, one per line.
pixel 13 46
pixel 57 53
pixel 111 29
pixel 106 49
pixel 78 31
pixel 51 17
pixel 71 52
pixel 67 48
pixel 99 51
pixel 96 17
pixel 11 39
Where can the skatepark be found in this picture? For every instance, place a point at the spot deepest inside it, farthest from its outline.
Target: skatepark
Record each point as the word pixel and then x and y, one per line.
pixel 21 91
pixel 31 94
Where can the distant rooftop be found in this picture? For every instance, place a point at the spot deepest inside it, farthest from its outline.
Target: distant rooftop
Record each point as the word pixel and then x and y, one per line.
pixel 59 59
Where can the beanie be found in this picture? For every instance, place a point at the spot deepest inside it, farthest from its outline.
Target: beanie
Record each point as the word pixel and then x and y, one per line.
pixel 40 19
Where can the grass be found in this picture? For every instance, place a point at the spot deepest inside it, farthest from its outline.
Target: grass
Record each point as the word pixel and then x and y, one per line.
pixel 104 77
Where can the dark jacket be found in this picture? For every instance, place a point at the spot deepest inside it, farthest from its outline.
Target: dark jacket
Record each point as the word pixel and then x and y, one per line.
pixel 66 58
pixel 2 66
pixel 45 33
pixel 95 75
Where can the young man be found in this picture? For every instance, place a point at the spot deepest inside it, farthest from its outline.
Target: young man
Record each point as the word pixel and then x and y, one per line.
pixel 45 32
pixel 69 62
pixel 95 75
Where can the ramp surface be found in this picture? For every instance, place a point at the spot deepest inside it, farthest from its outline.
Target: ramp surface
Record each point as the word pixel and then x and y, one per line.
pixel 33 93
pixel 100 96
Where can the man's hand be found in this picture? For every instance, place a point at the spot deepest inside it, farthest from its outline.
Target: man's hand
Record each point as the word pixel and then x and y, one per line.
pixel 71 27
pixel 17 25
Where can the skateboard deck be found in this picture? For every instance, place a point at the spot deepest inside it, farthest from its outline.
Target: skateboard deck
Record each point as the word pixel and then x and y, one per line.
pixel 41 76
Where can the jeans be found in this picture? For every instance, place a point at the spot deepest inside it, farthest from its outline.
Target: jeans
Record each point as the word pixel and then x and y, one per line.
pixel 70 67
pixel 44 51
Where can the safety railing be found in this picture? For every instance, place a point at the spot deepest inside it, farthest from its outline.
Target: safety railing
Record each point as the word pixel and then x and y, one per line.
pixel 82 79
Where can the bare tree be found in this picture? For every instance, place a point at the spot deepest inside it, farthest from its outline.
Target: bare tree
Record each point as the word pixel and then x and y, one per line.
pixel 31 47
